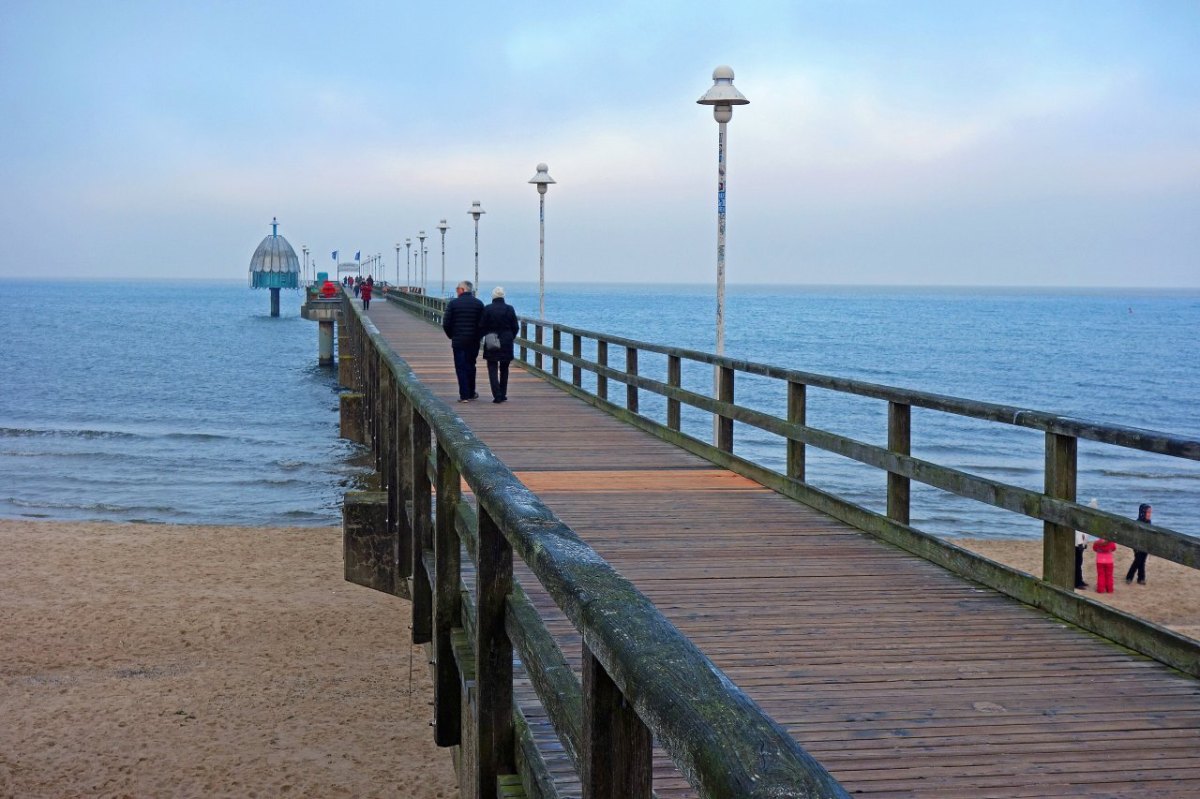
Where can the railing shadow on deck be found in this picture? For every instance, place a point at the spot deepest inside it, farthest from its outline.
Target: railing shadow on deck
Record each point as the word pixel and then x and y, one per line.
pixel 1055 506
pixel 643 680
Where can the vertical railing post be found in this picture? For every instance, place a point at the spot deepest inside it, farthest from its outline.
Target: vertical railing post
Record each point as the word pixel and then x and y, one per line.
pixel 404 538
pixel 724 430
pixel 674 380
pixel 447 708
pixel 577 351
pixel 797 410
pixel 493 658
pixel 899 442
pixel 1058 541
pixel 524 337
pixel 602 360
pixel 631 369
pixel 537 336
pixel 556 342
pixel 617 762
pixel 391 475
pixel 422 590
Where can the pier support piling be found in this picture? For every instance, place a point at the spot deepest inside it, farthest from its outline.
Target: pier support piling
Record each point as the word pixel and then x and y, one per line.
pixel 325 342
pixel 352 427
pixel 367 545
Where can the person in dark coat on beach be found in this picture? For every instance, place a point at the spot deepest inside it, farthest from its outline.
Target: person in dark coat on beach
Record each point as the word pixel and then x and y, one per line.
pixel 461 324
pixel 1138 567
pixel 501 319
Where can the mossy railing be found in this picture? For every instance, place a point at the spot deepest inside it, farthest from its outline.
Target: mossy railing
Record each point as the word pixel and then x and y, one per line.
pixel 642 679
pixel 1056 506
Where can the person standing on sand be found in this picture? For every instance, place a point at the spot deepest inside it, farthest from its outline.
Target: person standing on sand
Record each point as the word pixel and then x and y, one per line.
pixel 461 325
pixel 500 319
pixel 1138 567
pixel 1104 565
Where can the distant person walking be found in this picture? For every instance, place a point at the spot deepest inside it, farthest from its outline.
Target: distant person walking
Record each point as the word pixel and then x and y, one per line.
pixel 1104 565
pixel 498 320
pixel 461 325
pixel 1138 567
pixel 365 292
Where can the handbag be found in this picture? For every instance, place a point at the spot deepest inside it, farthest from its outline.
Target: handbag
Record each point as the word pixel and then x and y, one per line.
pixel 491 342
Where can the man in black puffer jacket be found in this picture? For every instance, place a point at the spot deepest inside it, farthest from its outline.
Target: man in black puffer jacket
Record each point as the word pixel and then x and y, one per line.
pixel 461 324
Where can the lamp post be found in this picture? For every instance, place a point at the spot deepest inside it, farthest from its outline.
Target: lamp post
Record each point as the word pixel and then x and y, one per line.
pixel 407 264
pixel 397 263
pixel 722 97
pixel 304 249
pixel 442 226
pixel 476 211
pixel 542 180
pixel 421 258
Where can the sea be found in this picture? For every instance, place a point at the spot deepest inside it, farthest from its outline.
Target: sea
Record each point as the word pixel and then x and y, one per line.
pixel 186 403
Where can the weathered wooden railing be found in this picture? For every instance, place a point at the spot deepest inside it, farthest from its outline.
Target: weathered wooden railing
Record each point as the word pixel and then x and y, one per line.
pixel 641 677
pixel 1056 507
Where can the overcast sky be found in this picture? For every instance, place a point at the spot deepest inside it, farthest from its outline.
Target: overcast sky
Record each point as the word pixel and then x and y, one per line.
pixel 976 143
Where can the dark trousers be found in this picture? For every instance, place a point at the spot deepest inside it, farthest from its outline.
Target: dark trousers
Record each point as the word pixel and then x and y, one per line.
pixel 464 369
pixel 1079 583
pixel 498 377
pixel 366 303
pixel 1138 567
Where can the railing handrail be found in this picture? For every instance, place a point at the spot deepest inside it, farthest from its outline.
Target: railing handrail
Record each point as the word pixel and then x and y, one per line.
pixel 722 741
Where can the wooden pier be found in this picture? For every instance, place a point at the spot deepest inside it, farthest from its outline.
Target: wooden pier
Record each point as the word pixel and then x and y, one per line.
pixel 878 673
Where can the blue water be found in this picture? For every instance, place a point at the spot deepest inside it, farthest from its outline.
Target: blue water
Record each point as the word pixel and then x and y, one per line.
pixel 168 402
pixel 186 403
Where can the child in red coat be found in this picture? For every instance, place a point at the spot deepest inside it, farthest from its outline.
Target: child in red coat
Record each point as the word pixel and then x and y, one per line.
pixel 1104 565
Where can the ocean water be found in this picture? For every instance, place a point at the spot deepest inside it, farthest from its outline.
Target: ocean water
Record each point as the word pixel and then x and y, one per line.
pixel 186 403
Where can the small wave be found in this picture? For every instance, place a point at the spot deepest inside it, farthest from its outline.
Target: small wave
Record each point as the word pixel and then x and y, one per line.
pixel 1149 475
pixel 103 507
pixel 198 436
pixel 24 432
pixel 290 465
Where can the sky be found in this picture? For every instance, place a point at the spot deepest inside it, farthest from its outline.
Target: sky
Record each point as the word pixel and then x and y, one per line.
pixel 1008 143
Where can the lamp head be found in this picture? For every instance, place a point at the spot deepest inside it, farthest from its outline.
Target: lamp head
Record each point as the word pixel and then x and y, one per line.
pixel 442 226
pixel 723 96
pixel 542 179
pixel 476 210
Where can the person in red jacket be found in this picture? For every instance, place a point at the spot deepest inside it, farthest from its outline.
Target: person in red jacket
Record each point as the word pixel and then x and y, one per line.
pixel 1104 565
pixel 327 290
pixel 365 292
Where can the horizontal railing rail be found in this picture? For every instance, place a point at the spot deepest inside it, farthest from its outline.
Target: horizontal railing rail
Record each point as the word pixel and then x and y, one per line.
pixel 642 678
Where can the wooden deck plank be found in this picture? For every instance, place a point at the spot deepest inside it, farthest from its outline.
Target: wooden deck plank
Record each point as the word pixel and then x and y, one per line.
pixel 903 679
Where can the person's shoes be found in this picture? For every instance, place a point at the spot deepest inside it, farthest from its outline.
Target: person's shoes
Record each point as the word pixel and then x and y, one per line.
pixel 497 400
pixel 474 396
pixel 1081 585
pixel 1141 582
pixel 464 400
pixel 1128 580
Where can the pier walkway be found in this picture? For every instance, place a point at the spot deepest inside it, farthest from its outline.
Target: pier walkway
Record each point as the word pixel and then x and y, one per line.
pixel 902 679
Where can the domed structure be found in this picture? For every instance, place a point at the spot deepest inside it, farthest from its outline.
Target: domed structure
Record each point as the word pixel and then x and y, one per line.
pixel 274 266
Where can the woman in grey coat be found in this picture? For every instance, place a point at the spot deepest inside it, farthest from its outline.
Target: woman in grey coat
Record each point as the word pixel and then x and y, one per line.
pixel 501 319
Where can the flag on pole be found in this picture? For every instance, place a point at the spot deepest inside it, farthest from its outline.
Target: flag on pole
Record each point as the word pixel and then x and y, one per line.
pixel 334 255
pixel 358 255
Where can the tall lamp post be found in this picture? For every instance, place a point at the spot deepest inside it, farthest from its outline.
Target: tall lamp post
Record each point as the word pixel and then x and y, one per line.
pixel 407 264
pixel 542 180
pixel 397 263
pixel 304 249
pixel 476 211
pixel 442 226
pixel 421 258
pixel 722 97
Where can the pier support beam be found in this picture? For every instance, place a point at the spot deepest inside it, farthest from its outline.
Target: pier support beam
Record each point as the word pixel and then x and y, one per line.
pixel 346 376
pixel 367 545
pixel 325 343
pixel 352 427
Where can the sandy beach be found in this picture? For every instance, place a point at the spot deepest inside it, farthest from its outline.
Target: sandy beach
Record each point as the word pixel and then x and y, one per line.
pixel 1170 597
pixel 145 660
